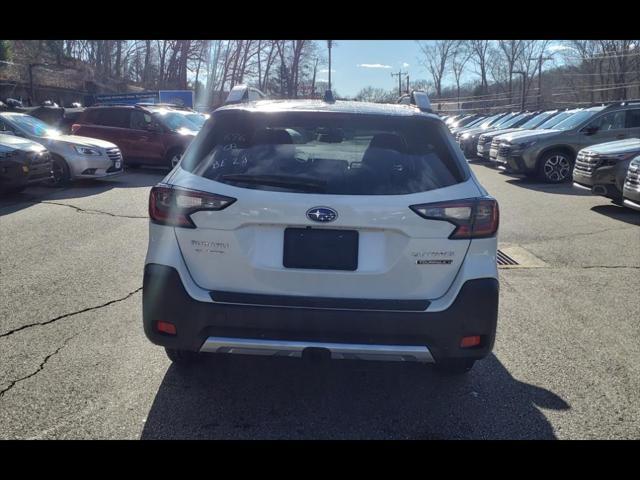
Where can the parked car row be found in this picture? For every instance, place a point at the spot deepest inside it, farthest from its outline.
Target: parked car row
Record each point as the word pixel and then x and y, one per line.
pixel 146 134
pixel 593 146
pixel 72 156
pixel 22 163
pixel 102 140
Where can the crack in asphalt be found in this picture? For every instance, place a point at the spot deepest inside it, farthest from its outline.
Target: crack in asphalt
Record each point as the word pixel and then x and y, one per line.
pixel 39 369
pixel 91 211
pixel 88 309
pixel 584 234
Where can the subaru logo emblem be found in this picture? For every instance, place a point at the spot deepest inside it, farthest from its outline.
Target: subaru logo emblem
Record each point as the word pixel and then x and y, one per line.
pixel 322 214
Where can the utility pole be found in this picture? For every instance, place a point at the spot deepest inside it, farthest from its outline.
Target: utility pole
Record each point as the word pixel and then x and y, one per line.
pixel 329 45
pixel 399 75
pixel 540 79
pixel 31 89
pixel 524 76
pixel 408 84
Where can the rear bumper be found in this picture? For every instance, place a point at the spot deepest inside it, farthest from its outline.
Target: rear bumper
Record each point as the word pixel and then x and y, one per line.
pixel 474 312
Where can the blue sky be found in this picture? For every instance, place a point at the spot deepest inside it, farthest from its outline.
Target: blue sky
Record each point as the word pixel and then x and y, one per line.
pixel 360 63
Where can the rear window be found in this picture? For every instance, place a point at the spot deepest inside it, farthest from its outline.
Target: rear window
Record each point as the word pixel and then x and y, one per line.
pixel 536 120
pixel 110 117
pixel 553 121
pixel 330 153
pixel 575 120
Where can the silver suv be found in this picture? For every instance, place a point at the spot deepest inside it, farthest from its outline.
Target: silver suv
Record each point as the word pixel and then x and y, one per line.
pixel 550 154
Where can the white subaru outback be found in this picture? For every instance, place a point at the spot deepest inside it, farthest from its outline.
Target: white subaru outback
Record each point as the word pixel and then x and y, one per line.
pixel 341 229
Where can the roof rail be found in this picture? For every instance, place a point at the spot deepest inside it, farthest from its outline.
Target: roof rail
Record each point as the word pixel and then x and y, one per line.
pixel 175 106
pixel 108 104
pixel 419 98
pixel 243 93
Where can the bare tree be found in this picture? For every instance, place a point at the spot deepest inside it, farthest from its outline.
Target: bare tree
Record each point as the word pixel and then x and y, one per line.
pixel 530 62
pixel 479 57
pixel 436 59
pixel 511 51
pixel 376 95
pixel 459 58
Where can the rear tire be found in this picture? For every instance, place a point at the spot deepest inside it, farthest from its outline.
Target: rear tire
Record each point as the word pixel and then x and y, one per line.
pixel 61 173
pixel 182 357
pixel 454 366
pixel 555 166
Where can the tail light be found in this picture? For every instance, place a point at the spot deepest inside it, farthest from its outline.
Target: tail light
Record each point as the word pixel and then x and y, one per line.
pixel 75 127
pixel 473 217
pixel 173 206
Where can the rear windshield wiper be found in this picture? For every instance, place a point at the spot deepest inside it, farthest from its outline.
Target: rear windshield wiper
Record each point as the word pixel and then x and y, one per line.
pixel 283 181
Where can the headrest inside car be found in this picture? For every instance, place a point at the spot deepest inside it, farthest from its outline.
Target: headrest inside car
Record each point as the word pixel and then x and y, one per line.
pixel 271 136
pixel 388 141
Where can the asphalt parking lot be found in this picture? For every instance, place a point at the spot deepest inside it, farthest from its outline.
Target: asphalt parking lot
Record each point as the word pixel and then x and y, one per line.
pixel 74 362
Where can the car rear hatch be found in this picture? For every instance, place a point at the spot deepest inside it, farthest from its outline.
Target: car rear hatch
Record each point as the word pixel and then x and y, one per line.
pixel 397 253
pixel 271 241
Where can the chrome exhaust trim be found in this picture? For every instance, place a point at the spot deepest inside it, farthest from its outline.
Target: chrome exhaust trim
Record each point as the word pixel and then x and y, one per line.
pixel 339 351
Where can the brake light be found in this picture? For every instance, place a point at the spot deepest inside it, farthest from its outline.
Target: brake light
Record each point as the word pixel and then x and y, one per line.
pixel 75 127
pixel 473 217
pixel 173 206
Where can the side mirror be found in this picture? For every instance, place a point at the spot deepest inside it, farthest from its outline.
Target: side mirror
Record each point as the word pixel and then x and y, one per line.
pixel 590 130
pixel 154 128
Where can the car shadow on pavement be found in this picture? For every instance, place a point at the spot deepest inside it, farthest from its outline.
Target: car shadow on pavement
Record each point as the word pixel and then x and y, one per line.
pixel 33 195
pixel 243 397
pixel 566 188
pixel 617 212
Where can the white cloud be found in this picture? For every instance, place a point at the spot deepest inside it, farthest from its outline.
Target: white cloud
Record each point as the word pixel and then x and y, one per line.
pixel 405 65
pixel 559 48
pixel 373 65
pixel 326 70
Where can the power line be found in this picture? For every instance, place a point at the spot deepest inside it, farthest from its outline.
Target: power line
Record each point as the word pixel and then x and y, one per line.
pixel 589 74
pixel 617 87
pixel 492 95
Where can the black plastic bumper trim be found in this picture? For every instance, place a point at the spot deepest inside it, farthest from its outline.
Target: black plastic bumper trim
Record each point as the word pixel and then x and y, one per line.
pixel 474 312
pixel 319 302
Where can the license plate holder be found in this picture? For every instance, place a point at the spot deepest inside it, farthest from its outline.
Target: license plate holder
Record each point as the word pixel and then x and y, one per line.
pixel 320 249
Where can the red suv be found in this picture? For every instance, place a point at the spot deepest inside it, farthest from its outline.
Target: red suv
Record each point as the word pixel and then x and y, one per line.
pixel 145 135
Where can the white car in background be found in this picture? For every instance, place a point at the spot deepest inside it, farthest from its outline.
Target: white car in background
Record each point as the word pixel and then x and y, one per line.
pixel 73 156
pixel 363 236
